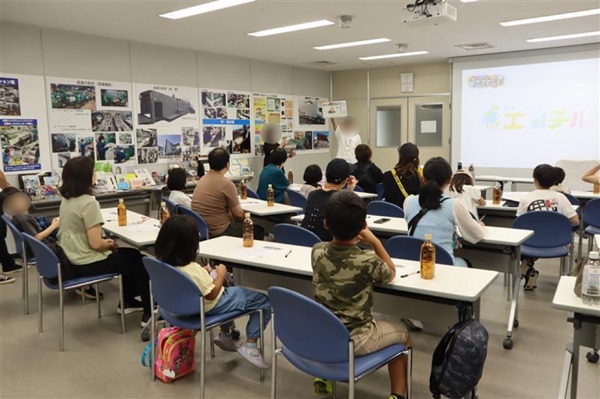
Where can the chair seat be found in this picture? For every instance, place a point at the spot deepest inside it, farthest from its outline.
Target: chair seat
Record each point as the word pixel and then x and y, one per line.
pixel 339 371
pixel 536 252
pixel 193 322
pixel 592 230
pixel 81 281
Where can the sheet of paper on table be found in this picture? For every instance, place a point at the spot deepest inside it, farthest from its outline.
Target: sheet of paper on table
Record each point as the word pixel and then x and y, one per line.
pixel 403 269
pixel 258 252
pixel 141 228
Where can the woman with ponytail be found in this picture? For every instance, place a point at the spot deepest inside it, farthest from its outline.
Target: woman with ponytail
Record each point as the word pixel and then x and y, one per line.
pixel 434 213
pixel 404 179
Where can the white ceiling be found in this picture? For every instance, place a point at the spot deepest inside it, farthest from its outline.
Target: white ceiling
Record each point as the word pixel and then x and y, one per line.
pixel 225 31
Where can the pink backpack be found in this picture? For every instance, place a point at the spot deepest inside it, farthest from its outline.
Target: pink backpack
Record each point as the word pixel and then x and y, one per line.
pixel 175 357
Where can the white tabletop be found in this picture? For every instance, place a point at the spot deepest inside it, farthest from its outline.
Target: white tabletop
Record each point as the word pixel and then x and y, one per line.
pixel 514 196
pixel 484 187
pixel 392 226
pixel 259 208
pixel 504 179
pixel 296 187
pixel 584 194
pixel 140 230
pixel 489 205
pixel 597 238
pixel 450 282
pixel 565 298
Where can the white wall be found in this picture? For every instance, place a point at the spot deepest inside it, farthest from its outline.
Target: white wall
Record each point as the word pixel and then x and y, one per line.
pixel 45 52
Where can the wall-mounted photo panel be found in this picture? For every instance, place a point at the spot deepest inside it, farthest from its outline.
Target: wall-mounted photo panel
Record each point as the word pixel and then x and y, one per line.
pixel 272 108
pixel 309 114
pixel 165 106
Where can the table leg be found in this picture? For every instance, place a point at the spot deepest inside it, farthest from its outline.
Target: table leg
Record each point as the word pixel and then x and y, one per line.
pixel 575 361
pixel 509 275
pixel 513 318
pixel 476 309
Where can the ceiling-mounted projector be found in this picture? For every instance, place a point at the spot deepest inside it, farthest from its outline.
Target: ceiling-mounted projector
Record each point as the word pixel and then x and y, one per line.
pixel 429 12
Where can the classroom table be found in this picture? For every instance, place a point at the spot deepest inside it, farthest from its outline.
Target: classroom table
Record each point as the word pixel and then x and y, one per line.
pixel 394 226
pixel 259 207
pixel 586 325
pixel 458 287
pixel 363 195
pixel 597 238
pixel 584 195
pixel 503 179
pixel 141 231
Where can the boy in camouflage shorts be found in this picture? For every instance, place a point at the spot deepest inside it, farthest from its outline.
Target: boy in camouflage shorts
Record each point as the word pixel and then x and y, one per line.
pixel 343 278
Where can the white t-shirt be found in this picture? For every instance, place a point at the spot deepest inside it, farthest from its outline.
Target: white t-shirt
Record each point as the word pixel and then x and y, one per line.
pixel 180 198
pixel 346 144
pixel 469 197
pixel 546 200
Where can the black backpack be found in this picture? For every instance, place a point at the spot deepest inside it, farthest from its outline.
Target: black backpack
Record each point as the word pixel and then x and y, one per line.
pixel 458 360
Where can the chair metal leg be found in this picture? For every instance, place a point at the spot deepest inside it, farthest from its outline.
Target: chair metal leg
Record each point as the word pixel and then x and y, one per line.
pixel 98 301
pixel 351 372
pixel 409 374
pixel 212 344
pixel 261 348
pixel 83 295
pixel 25 278
pixel 122 303
pixel 152 325
pixel 40 307
pixel 202 349
pixel 61 317
pixel 273 358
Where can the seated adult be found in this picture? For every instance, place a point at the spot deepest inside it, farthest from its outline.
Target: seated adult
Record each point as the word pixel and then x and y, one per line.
pixel 216 199
pixel 337 174
pixel 365 171
pixel 274 175
pixel 80 237
pixel 404 179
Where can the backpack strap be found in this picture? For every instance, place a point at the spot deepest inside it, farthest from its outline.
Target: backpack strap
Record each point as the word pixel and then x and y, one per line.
pixel 399 183
pixel 412 224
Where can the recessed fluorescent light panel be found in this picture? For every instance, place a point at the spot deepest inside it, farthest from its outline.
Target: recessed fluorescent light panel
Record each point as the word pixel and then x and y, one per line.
pixel 469 1
pixel 352 44
pixel 395 55
pixel 292 28
pixel 204 8
pixel 564 37
pixel 549 18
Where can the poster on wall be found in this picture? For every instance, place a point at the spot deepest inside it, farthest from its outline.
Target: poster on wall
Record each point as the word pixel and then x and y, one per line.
pixel 226 121
pixel 310 111
pixel 334 109
pixel 23 124
pixel 311 126
pixel 91 118
pixel 276 109
pixel 166 123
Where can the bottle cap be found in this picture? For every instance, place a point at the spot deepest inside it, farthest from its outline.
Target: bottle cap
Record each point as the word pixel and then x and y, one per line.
pixel 594 255
pixel 162 203
pixel 428 237
pixel 243 181
pixel 120 200
pixel 270 186
pixel 247 214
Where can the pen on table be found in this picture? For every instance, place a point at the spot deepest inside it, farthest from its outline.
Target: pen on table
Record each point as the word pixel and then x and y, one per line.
pixel 483 217
pixel 288 254
pixel 409 274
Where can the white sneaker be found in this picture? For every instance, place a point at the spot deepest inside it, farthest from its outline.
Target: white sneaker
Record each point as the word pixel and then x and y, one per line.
pixel 225 342
pixel 413 324
pixel 253 356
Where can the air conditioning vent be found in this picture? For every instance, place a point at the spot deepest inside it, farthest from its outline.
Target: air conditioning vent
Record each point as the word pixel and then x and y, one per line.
pixel 322 63
pixel 475 46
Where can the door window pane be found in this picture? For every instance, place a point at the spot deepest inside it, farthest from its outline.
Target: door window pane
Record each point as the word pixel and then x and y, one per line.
pixel 389 120
pixel 428 125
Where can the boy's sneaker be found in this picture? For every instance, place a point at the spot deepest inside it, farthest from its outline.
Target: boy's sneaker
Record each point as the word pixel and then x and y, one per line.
pixel 413 324
pixel 531 278
pixel 253 356
pixel 225 342
pixel 323 387
pixel 133 307
pixel 6 280
pixel 525 265
pixel 11 270
pixel 89 292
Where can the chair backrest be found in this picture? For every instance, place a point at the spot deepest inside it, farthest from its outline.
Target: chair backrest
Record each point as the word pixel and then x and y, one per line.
pixel 47 262
pixel 296 199
pixel 358 189
pixel 172 290
pixel 295 235
pixel 591 212
pixel 252 194
pixel 202 226
pixel 171 205
pixel 380 190
pixel 572 200
pixel 326 342
pixel 405 247
pixel 17 235
pixel 552 229
pixel 382 208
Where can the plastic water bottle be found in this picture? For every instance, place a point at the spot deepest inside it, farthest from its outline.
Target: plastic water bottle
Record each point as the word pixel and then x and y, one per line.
pixel 590 287
pixel 243 190
pixel 122 213
pixel 427 258
pixel 163 213
pixel 270 196
pixel 248 231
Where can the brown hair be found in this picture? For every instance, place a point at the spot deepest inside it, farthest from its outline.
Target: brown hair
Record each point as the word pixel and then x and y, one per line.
pixel 458 181
pixel 77 177
pixel 408 163
pixel 363 153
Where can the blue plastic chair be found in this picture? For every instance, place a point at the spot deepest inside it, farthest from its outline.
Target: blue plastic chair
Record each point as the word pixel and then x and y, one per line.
pixel 551 238
pixel 48 267
pixel 358 189
pixel 297 199
pixel 202 226
pixel 325 352
pixel 295 235
pixel 591 220
pixel 22 252
pixel 405 247
pixel 252 194
pixel 171 205
pixel 387 209
pixel 181 304
pixel 380 190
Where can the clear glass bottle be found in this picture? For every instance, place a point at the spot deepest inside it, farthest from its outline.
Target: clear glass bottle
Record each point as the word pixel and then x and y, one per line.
pixel 590 285
pixel 122 213
pixel 163 214
pixel 243 190
pixel 248 231
pixel 427 258
pixel 270 196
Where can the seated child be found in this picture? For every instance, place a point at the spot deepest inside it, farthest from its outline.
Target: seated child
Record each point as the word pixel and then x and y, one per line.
pixel 462 189
pixel 181 253
pixel 543 199
pixel 176 184
pixel 274 175
pixel 343 278
pixel 560 178
pixel 312 177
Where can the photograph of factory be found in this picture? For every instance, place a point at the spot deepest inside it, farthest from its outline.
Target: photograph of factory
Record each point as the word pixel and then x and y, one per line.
pixel 310 113
pixel 64 142
pixel 238 100
pixel 241 141
pixel 304 140
pixel 212 99
pixel 124 153
pixel 68 96
pixel 191 136
pixel 86 147
pixel 156 107
pixel 125 138
pixel 169 145
pixel 212 135
pixel 112 121
pixel 105 146
pixel 9 97
pixel 147 155
pixel 114 98
pixel 243 114
pixel 320 140
pixel 146 138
